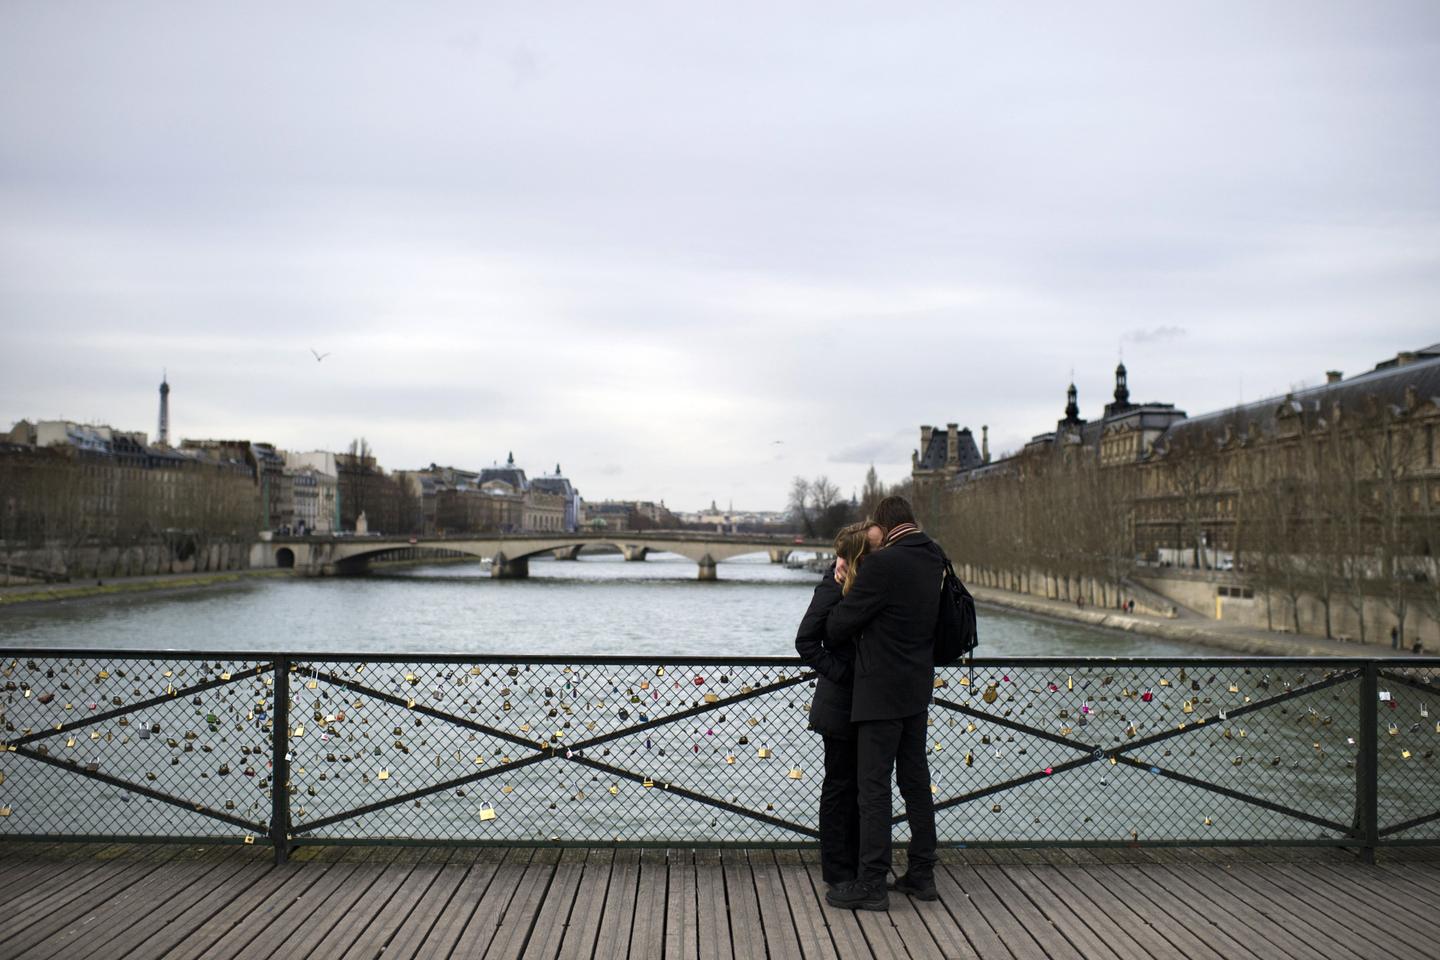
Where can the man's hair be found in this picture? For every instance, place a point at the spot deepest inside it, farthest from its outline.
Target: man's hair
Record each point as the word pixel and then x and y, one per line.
pixel 893 511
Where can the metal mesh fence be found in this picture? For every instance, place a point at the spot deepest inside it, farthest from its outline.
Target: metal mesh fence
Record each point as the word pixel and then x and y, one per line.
pixel 695 752
pixel 110 746
pixel 1407 735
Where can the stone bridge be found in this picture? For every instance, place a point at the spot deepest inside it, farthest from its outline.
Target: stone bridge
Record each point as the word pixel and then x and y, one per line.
pixel 509 554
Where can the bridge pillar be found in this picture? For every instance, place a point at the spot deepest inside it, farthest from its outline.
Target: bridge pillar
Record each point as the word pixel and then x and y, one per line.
pixel 503 568
pixel 633 553
pixel 568 553
pixel 707 568
pixel 779 555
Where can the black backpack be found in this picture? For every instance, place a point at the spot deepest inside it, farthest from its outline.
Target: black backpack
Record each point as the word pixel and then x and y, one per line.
pixel 955 634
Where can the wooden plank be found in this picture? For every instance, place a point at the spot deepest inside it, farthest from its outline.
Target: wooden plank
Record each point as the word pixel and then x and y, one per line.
pixel 912 930
pixel 845 929
pixel 519 916
pixel 70 875
pixel 421 922
pixel 416 872
pixel 391 870
pixel 244 888
pixel 1241 880
pixel 271 923
pixel 481 869
pixel 1088 941
pixel 22 863
pixel 1184 930
pixel 272 890
pixel 712 914
pixel 968 915
pixel 117 912
pixel 1409 908
pixel 479 930
pixel 318 910
pixel 777 919
pixel 162 918
pixel 45 919
pixel 682 922
pixel 1230 911
pixel 1344 900
pixel 810 926
pixel 1001 933
pixel 618 908
pixel 582 931
pixel 1198 924
pixel 40 884
pixel 747 927
pixel 555 905
pixel 1084 889
pixel 1053 941
pixel 651 922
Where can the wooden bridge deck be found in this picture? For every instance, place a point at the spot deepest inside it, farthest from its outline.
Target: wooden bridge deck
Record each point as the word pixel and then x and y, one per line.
pixel 104 901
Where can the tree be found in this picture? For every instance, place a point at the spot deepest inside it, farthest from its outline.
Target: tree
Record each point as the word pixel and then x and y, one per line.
pixel 800 506
pixel 873 492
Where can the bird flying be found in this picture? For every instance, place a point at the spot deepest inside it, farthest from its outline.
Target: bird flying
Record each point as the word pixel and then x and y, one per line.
pixel 319 356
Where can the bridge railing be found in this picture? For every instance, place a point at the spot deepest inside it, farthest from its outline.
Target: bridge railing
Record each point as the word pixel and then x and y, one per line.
pixel 289 749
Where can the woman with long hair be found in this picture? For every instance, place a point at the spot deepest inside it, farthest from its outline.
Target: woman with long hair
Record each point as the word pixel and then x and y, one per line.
pixel 839 819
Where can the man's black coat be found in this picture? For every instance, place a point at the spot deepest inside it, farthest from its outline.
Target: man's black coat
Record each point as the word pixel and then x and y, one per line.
pixel 830 707
pixel 889 616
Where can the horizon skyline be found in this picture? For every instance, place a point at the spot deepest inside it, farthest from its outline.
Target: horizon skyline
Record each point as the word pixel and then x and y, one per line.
pixel 1294 386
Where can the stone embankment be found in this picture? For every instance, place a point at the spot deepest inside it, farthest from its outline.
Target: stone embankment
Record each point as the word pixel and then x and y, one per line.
pixel 123 586
pixel 1197 630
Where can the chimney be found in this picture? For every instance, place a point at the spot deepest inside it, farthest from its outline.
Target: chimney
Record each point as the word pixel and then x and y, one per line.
pixel 925 434
pixel 1332 376
pixel 952 444
pixel 984 444
pixel 1405 358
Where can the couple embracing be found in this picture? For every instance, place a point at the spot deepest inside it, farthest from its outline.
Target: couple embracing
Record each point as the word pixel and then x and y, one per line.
pixel 869 635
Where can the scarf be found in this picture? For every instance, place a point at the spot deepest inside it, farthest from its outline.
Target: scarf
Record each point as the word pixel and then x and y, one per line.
pixel 903 530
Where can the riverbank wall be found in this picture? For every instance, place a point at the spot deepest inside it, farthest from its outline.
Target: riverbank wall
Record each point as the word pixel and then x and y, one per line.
pixel 1209 633
pixel 122 586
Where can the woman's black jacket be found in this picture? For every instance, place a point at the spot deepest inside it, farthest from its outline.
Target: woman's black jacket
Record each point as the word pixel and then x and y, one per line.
pixel 830 708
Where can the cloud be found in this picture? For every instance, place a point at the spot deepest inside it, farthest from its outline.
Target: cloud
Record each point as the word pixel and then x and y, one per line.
pixel 648 237
pixel 877 449
pixel 1160 334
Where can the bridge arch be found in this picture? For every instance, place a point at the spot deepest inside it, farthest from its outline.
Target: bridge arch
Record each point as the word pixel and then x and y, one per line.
pixel 285 558
pixel 510 553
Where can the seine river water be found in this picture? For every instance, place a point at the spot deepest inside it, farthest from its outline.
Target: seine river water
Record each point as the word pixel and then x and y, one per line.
pixel 598 605
pixel 368 732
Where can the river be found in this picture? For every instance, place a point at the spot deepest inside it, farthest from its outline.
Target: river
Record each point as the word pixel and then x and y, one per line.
pixel 597 605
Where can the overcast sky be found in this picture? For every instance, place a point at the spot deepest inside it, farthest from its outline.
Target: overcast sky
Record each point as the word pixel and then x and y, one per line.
pixel 647 241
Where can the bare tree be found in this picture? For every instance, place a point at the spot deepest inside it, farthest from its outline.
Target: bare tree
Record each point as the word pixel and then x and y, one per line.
pixel 800 508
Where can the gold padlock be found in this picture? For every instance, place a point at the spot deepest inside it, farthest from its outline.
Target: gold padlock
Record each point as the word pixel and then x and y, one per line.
pixel 487 813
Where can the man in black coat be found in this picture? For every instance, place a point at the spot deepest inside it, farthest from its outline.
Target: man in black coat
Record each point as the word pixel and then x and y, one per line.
pixel 830 717
pixel 889 615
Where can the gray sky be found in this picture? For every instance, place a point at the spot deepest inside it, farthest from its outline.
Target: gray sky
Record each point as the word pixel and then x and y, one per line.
pixel 647 241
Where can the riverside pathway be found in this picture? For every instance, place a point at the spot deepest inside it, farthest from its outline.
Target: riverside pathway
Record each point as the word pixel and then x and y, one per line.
pixel 94 902
pixel 1189 628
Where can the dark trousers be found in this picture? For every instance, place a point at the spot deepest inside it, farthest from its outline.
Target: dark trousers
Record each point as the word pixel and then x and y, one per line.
pixel 899 745
pixel 839 812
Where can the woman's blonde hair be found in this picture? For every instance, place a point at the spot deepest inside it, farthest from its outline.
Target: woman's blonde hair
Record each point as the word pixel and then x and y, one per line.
pixel 852 545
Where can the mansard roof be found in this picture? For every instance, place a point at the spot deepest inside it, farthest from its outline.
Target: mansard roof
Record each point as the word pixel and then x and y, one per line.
pixel 933 456
pixel 1389 384
pixel 514 476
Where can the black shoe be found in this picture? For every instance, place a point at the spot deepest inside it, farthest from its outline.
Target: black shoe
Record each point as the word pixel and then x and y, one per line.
pixel 921 888
pixel 859 895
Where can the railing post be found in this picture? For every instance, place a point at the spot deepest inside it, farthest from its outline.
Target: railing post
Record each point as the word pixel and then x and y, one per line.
pixel 280 762
pixel 1367 773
